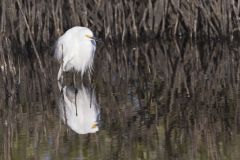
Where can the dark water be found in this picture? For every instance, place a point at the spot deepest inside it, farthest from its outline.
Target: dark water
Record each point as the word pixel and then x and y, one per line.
pixel 151 101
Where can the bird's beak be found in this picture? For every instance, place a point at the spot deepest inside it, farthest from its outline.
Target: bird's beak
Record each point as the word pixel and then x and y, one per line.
pixel 95 125
pixel 94 38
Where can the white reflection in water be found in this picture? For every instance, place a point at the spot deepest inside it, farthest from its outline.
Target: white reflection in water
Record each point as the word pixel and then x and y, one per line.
pixel 79 109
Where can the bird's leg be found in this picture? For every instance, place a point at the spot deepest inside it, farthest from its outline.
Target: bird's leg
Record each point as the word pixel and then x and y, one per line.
pixel 91 88
pixel 60 78
pixel 59 73
pixel 76 92
pixel 89 77
pixel 60 87
pixel 74 80
pixel 91 93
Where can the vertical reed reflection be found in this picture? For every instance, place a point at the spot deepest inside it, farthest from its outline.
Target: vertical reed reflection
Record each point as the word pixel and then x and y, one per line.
pixel 161 100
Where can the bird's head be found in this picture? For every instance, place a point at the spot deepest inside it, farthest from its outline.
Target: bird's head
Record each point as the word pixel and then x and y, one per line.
pixel 88 35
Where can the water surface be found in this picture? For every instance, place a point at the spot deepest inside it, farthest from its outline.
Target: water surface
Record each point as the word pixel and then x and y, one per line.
pixel 156 100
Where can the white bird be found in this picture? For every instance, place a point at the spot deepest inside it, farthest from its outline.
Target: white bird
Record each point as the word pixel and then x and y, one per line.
pixel 79 110
pixel 75 50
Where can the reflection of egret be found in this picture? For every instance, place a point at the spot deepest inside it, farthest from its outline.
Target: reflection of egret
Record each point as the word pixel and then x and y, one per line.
pixel 75 49
pixel 79 110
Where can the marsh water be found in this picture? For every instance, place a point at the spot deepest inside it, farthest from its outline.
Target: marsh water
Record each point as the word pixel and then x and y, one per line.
pixel 154 100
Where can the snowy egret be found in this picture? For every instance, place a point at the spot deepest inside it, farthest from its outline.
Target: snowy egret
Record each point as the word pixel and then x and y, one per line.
pixel 87 118
pixel 75 50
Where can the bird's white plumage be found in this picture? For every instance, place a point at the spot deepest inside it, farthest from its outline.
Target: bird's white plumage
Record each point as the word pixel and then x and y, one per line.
pixel 79 110
pixel 75 49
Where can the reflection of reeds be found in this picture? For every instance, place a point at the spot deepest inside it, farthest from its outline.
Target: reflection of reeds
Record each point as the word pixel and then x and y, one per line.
pixel 160 100
pixel 193 87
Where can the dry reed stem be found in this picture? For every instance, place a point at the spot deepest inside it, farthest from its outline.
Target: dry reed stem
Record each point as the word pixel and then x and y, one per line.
pixel 32 41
